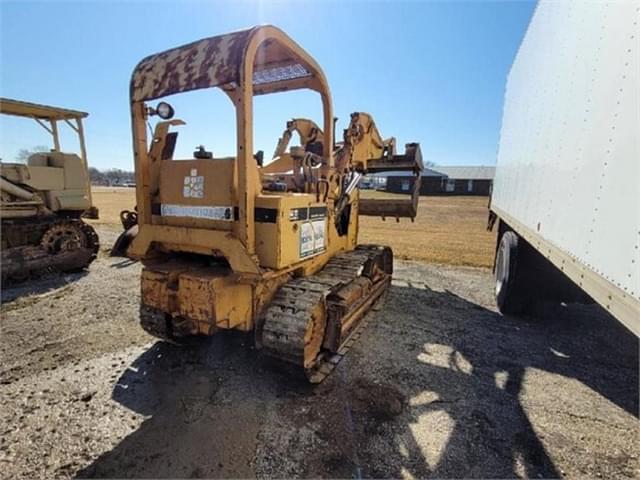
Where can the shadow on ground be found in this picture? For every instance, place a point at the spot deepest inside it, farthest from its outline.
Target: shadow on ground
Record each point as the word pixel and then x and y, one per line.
pixel 460 372
pixel 40 285
pixel 433 388
pixel 206 405
pixel 124 263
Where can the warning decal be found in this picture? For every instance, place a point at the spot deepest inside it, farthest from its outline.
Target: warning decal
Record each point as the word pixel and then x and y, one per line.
pixel 306 239
pixel 312 237
pixel 319 227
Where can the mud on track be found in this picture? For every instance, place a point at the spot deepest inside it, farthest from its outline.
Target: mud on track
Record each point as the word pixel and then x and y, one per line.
pixel 438 385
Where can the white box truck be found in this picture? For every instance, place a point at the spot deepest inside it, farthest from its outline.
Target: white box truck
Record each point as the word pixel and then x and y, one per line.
pixel 566 192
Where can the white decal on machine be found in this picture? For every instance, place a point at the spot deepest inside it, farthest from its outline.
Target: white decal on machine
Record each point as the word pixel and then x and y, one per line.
pixel 312 237
pixel 211 213
pixel 306 239
pixel 319 227
pixel 193 185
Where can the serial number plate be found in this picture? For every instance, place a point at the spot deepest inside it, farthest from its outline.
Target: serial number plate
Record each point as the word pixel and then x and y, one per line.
pixel 211 213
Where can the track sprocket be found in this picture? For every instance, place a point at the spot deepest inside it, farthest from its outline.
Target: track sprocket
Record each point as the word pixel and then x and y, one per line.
pixel 68 235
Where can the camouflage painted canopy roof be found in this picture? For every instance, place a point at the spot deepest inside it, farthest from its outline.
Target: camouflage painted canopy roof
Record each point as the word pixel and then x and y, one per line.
pixel 217 62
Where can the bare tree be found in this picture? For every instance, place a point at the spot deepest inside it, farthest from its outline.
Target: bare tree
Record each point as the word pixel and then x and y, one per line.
pixel 96 176
pixel 24 153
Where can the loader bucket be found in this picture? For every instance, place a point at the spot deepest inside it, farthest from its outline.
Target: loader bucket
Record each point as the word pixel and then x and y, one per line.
pixel 397 208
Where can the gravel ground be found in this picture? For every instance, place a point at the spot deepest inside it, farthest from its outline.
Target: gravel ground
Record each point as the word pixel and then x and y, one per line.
pixel 438 385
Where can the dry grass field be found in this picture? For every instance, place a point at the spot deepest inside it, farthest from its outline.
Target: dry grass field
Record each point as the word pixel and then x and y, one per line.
pixel 447 230
pixel 110 202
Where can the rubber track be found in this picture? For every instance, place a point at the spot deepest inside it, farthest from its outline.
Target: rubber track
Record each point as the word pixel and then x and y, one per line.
pixel 285 320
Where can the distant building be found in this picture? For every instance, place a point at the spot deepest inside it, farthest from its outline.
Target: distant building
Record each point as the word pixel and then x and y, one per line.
pixel 402 182
pixel 444 181
pixel 372 182
pixel 468 180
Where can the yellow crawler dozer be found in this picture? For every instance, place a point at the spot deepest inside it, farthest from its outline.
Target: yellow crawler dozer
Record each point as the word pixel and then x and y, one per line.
pixel 230 243
pixel 42 201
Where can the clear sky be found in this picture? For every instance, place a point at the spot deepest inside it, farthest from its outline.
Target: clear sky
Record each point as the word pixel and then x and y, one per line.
pixel 431 72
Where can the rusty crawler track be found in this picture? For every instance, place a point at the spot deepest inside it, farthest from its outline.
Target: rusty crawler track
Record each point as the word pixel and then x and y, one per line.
pixel 34 249
pixel 295 322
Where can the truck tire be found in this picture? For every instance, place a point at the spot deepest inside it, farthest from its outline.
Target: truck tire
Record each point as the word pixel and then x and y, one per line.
pixel 513 292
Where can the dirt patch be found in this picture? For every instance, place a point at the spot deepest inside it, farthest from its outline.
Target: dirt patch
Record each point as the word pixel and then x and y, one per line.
pixel 375 402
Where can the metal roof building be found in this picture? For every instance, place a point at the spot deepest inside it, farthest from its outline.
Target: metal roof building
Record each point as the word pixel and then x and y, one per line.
pixel 426 172
pixel 467 173
pixel 437 180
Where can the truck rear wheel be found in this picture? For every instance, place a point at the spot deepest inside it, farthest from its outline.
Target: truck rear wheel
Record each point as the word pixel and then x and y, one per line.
pixel 513 292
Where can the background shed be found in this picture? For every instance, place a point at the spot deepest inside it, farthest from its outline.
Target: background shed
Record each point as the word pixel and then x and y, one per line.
pixel 442 181
pixel 467 180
